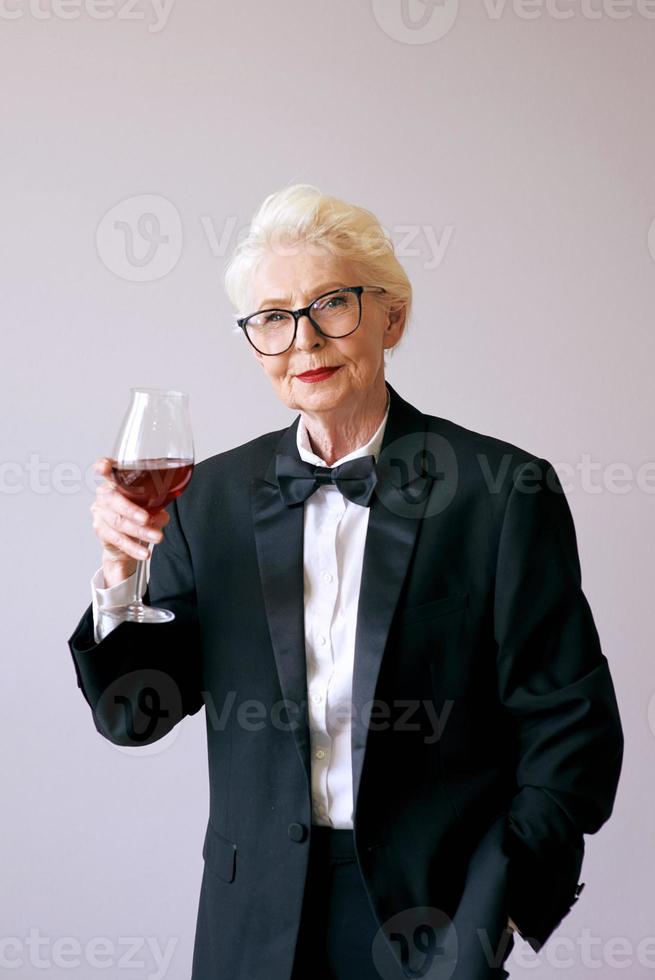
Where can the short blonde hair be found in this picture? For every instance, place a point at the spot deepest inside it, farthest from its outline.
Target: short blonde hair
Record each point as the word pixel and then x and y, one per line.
pixel 302 215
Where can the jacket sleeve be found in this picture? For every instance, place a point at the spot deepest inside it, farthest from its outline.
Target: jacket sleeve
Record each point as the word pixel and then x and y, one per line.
pixel 555 683
pixel 143 678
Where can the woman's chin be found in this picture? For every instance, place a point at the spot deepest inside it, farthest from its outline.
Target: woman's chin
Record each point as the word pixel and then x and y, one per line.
pixel 319 401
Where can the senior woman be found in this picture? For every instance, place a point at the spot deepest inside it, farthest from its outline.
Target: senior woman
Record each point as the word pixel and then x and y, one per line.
pixel 410 721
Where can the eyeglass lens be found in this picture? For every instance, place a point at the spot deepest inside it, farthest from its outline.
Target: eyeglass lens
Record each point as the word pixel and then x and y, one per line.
pixel 271 331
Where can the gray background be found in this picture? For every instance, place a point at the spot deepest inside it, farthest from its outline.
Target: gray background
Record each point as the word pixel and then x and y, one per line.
pixel 517 137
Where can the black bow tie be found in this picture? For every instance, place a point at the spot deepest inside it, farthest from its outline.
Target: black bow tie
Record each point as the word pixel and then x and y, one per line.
pixel 356 478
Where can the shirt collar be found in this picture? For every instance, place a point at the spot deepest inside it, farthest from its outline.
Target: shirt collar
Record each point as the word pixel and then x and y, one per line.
pixel 371 448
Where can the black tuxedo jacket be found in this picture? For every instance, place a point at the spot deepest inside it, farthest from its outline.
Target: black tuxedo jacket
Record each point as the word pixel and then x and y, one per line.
pixel 485 733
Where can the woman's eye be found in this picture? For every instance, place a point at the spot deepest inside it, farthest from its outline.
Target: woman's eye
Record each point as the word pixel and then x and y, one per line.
pixel 332 303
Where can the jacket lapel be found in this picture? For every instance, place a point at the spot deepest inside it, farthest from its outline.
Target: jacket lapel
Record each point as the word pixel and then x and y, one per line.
pixel 397 507
pixel 279 541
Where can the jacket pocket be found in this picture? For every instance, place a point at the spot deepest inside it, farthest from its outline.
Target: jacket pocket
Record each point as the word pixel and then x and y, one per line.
pixel 436 607
pixel 219 854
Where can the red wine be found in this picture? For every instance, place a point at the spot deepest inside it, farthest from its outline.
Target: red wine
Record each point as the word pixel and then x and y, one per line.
pixel 152 483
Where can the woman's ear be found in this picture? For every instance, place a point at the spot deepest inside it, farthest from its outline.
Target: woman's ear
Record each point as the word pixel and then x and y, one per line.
pixel 393 330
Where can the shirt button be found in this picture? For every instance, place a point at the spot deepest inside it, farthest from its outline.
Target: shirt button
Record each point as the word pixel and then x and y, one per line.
pixel 320 753
pixel 316 698
pixel 327 577
pixel 321 639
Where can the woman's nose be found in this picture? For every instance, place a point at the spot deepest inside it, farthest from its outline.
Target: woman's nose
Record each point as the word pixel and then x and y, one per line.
pixel 307 338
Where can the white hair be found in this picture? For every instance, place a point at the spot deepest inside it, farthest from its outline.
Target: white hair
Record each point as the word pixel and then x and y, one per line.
pixel 302 216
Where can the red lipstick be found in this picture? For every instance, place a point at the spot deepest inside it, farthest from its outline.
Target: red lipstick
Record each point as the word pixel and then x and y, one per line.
pixel 320 374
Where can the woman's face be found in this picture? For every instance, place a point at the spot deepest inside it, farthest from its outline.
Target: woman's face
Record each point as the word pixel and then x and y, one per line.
pixel 295 280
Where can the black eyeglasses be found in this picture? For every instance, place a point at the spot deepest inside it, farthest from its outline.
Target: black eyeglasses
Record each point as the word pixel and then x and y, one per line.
pixel 337 313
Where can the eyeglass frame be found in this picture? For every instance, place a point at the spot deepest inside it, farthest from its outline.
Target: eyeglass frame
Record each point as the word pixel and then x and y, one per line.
pixel 296 314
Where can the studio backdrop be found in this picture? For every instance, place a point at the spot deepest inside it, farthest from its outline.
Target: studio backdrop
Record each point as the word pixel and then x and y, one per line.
pixel 507 149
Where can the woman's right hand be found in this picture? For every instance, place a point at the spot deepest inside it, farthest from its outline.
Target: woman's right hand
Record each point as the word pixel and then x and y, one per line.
pixel 121 525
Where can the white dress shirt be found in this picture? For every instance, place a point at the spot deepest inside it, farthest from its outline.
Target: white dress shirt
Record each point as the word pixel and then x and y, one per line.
pixel 115 595
pixel 334 535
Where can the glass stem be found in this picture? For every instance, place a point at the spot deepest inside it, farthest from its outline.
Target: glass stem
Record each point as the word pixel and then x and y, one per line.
pixel 141 579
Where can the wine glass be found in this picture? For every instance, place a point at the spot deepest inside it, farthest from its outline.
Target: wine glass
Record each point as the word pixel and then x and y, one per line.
pixel 153 464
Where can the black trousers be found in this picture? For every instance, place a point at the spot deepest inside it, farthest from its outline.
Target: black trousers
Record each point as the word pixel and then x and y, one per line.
pixel 338 928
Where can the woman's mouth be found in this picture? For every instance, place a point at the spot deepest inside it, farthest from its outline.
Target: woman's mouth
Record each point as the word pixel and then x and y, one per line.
pixel 320 374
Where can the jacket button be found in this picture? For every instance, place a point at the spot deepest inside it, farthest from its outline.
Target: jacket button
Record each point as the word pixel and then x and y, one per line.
pixel 297 832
